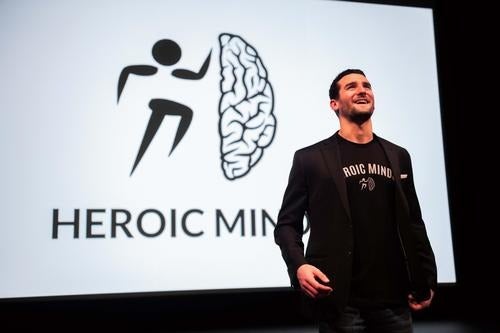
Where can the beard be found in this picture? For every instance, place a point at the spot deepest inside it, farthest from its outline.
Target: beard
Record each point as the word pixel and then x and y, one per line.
pixel 360 117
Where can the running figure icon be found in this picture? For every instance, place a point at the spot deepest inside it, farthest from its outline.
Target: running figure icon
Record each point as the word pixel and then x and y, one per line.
pixel 166 52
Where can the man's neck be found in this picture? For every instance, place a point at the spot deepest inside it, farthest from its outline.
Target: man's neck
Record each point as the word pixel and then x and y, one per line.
pixel 356 133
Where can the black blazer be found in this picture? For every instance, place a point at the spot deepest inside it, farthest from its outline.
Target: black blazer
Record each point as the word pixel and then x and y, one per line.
pixel 317 189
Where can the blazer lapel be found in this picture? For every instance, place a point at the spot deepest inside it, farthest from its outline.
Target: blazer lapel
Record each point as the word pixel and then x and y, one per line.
pixel 396 169
pixel 331 154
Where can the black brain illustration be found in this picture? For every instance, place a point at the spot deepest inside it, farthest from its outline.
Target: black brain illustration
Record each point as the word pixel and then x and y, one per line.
pixel 247 124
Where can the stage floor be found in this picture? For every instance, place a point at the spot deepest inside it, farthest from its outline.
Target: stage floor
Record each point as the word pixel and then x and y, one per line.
pixel 420 327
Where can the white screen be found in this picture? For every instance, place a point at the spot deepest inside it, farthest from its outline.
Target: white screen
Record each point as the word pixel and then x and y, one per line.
pixel 184 220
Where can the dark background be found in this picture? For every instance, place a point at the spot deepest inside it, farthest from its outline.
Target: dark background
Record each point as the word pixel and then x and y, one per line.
pixel 469 98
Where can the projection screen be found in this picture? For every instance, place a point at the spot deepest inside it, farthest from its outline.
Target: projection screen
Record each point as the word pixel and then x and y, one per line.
pixel 146 145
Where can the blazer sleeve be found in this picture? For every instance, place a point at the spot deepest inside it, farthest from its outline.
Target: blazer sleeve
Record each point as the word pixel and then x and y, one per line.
pixel 289 227
pixel 422 244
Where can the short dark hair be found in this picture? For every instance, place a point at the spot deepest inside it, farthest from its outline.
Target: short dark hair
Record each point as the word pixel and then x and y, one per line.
pixel 334 87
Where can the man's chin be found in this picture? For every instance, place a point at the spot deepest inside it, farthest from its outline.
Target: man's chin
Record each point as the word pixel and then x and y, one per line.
pixel 361 117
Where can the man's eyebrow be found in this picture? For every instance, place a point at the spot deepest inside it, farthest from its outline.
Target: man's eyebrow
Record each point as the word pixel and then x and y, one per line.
pixel 354 83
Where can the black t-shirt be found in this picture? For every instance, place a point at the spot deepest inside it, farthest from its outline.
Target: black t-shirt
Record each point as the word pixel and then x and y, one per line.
pixel 378 269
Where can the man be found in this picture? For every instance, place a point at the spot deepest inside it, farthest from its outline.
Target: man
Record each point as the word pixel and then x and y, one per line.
pixel 368 261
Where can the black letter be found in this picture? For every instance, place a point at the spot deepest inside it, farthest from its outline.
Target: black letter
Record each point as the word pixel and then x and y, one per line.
pixel 252 217
pixel 265 216
pixel 114 223
pixel 56 223
pixel 172 221
pixel 184 220
pixel 141 229
pixel 230 228
pixel 90 223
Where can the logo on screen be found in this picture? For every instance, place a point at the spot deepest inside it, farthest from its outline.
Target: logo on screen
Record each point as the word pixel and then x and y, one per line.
pixel 247 124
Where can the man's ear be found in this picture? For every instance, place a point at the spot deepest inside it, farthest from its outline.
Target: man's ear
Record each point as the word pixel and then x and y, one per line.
pixel 333 105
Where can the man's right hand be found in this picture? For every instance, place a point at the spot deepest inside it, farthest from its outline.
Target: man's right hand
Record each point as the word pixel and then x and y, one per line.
pixel 312 281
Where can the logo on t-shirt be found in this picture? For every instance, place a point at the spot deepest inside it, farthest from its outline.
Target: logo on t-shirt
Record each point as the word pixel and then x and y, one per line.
pixel 367 184
pixel 360 169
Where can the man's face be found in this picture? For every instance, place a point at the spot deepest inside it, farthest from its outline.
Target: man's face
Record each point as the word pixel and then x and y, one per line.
pixel 356 102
